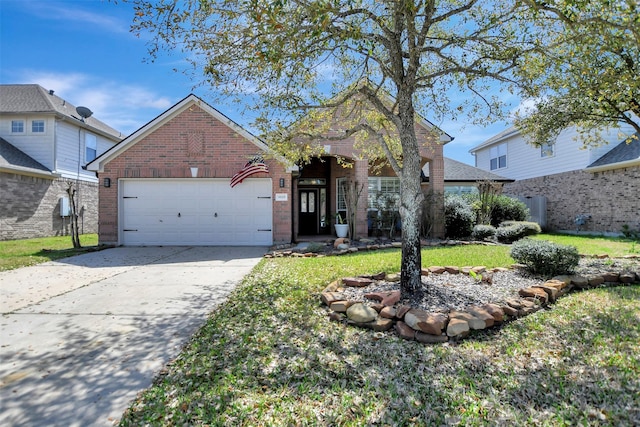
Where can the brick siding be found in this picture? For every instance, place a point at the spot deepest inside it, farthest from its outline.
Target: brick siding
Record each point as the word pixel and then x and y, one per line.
pixel 612 198
pixel 193 138
pixel 31 207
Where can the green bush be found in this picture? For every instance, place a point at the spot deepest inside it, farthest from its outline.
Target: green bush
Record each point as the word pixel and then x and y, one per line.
pixel 530 228
pixel 545 258
pixel 507 208
pixel 458 216
pixel 510 231
pixel 483 232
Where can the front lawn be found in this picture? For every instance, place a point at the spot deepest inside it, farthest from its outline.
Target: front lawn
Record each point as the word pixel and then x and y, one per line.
pixel 269 356
pixel 595 245
pixel 21 253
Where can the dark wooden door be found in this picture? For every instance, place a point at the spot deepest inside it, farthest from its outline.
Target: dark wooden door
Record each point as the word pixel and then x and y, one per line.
pixel 308 212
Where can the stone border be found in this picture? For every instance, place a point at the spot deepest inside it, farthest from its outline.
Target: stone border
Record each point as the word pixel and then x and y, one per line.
pixel 429 328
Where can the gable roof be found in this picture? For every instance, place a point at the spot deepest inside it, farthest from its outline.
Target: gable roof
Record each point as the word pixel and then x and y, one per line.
pixel 622 155
pixel 507 133
pixel 16 161
pixel 159 121
pixel 455 171
pixel 33 98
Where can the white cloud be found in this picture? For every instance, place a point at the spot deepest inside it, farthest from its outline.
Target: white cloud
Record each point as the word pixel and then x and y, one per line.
pixel 73 13
pixel 123 106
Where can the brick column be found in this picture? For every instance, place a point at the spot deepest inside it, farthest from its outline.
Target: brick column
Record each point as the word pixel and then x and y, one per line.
pixel 436 181
pixel 361 172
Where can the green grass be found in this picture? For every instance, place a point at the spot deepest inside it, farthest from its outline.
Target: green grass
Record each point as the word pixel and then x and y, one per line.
pixel 269 356
pixel 594 245
pixel 21 253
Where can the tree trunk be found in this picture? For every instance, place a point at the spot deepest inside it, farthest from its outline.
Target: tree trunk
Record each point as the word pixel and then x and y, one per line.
pixel 411 198
pixel 75 231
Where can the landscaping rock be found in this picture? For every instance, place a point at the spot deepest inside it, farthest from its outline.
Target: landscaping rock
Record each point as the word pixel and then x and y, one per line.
pixel 341 306
pixel 388 312
pixel 496 311
pixel 357 282
pixel 458 328
pixel 430 339
pixel 340 241
pixel 377 307
pixel 361 313
pixel 452 269
pixel 336 317
pixel 611 277
pixel 424 272
pixel 595 280
pixel 378 276
pixel 558 284
pixel 395 277
pixel 479 269
pixel 435 269
pixel 535 293
pixel 405 331
pixel 563 278
pixel 482 319
pixel 386 298
pixel 627 277
pixel 552 293
pixel 402 310
pixel 528 307
pixel 429 323
pixel 329 298
pixel 579 281
pixel 509 311
pixel 378 325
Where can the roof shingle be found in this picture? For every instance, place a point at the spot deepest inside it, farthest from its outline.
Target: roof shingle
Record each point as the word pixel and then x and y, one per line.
pixel 33 98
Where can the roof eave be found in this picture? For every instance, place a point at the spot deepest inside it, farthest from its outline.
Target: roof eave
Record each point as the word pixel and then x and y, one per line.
pixel 611 166
pixel 29 172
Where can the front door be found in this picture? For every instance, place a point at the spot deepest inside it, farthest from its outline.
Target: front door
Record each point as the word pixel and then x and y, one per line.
pixel 308 212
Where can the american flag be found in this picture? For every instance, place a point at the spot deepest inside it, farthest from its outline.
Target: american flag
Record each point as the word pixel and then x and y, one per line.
pixel 253 166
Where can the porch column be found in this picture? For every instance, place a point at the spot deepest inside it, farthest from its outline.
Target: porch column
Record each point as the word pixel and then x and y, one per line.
pixel 361 172
pixel 436 180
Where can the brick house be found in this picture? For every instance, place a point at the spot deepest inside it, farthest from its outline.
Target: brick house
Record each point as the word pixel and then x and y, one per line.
pixel 589 190
pixel 168 183
pixel 44 144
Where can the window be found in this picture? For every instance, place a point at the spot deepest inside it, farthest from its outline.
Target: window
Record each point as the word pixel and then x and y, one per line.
pixel 383 191
pixel 499 156
pixel 37 126
pixel 341 203
pixel 547 150
pixel 17 126
pixel 91 147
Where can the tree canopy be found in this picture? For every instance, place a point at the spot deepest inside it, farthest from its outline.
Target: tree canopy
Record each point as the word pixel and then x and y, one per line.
pixel 587 74
pixel 288 59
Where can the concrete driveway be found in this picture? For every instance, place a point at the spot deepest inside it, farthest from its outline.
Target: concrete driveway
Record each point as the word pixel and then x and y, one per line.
pixel 80 337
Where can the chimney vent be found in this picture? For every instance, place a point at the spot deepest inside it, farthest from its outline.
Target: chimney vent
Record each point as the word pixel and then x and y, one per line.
pixel 50 91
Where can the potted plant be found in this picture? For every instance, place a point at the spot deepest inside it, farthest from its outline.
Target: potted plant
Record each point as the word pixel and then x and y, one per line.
pixel 342 228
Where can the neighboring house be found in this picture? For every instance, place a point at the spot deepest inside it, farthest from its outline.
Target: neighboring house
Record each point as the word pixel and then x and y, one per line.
pixel 169 183
pixel 44 146
pixel 461 178
pixel 591 190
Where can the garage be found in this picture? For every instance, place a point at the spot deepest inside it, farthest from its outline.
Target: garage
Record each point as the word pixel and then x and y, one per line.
pixel 205 212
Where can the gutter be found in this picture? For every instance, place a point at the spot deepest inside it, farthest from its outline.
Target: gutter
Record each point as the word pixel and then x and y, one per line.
pixel 30 172
pixel 612 166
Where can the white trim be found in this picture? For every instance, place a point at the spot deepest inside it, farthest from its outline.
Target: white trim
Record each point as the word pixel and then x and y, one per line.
pixel 162 119
pixel 611 166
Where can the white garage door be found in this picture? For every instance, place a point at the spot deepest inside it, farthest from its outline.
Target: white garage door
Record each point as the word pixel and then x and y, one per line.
pixel 196 212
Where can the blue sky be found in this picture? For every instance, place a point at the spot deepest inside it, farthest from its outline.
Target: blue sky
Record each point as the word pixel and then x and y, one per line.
pixel 83 50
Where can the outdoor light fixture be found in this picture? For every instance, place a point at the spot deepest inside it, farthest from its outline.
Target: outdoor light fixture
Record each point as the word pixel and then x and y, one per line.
pixel 107 182
pixel 281 182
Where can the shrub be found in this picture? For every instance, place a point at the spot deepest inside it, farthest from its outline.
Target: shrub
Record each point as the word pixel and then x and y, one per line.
pixel 510 231
pixel 507 208
pixel 530 228
pixel 545 258
pixel 458 216
pixel 483 232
